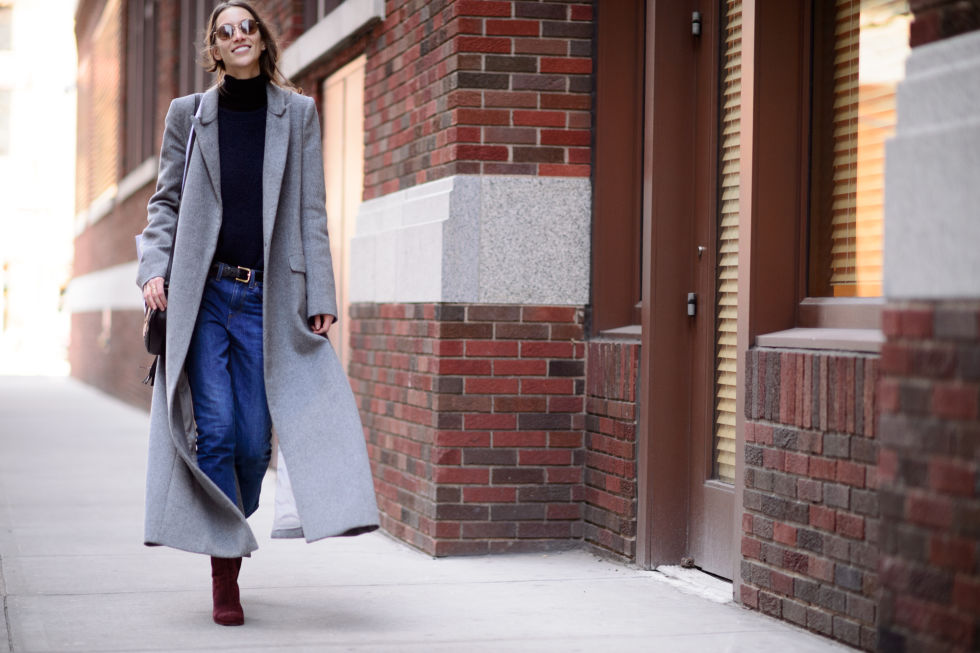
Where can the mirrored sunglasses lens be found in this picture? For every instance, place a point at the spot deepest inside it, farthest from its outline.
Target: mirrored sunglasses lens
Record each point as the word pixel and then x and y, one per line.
pixel 224 32
pixel 248 26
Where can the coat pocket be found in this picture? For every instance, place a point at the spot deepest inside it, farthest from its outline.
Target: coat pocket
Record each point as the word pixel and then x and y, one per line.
pixel 297 263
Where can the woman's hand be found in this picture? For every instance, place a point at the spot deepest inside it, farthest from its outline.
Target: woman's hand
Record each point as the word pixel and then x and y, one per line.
pixel 320 324
pixel 153 294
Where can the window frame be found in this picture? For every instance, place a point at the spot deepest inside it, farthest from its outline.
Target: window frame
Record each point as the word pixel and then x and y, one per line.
pixel 775 279
pixel 191 77
pixel 819 311
pixel 617 169
pixel 316 10
pixel 140 82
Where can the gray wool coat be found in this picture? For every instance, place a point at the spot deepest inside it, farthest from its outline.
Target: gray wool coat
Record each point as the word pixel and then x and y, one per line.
pixel 313 409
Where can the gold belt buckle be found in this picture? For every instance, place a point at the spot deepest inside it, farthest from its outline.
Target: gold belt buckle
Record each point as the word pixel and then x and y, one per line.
pixel 248 274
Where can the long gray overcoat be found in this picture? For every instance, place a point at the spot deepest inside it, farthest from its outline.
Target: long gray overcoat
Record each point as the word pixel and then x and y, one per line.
pixel 310 400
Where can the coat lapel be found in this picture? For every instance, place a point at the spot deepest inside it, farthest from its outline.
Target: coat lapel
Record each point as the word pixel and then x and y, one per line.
pixel 274 163
pixel 206 127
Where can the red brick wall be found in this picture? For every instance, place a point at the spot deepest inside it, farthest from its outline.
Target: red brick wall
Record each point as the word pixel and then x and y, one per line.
pixel 468 87
pixel 106 351
pixel 810 522
pixel 286 16
pixel 940 19
pixel 477 86
pixel 473 416
pixel 930 486
pixel 491 87
pixel 99 135
pixel 610 447
pixel 110 241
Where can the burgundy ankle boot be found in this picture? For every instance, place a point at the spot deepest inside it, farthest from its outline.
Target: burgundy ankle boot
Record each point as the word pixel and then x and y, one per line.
pixel 224 590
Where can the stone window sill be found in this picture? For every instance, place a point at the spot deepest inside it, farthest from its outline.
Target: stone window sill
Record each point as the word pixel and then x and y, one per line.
pixel 856 340
pixel 329 34
pixel 631 333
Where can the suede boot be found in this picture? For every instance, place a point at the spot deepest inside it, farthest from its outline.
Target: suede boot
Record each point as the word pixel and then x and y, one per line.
pixel 224 589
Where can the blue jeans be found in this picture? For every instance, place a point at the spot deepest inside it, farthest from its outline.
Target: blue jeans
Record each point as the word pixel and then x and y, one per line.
pixel 224 368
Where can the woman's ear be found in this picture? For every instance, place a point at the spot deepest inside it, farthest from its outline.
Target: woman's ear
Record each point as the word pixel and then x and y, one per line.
pixel 215 53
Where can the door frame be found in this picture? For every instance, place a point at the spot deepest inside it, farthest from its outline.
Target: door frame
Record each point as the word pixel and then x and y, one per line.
pixel 774 118
pixel 663 460
pixel 679 507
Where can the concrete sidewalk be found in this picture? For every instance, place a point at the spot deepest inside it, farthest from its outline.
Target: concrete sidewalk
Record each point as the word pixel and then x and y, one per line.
pixel 75 576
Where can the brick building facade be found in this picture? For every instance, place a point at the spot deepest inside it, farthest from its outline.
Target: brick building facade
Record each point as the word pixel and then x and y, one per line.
pixel 576 312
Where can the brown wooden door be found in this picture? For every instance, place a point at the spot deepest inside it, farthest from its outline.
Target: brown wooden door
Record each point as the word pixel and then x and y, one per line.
pixel 687 446
pixel 712 518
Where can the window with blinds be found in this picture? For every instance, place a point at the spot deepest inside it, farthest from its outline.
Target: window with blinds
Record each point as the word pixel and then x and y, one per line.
pixel 140 103
pixel 726 295
pixel 859 54
pixel 192 78
pixel 317 10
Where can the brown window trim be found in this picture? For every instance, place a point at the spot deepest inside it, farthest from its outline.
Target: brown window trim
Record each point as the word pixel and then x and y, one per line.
pixel 192 78
pixel 781 131
pixel 841 312
pixel 617 166
pixel 139 107
pixel 312 13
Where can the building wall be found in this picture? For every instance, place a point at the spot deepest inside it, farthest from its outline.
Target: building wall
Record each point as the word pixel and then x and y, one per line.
pixel 474 418
pixel 492 423
pixel 930 502
pixel 470 272
pixel 100 42
pixel 810 523
pixel 929 464
pixel 609 512
pixel 464 87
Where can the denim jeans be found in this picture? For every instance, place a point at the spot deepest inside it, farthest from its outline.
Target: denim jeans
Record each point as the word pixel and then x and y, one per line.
pixel 224 368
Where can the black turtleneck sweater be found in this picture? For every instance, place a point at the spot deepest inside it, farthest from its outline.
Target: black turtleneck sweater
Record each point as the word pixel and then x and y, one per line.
pixel 241 141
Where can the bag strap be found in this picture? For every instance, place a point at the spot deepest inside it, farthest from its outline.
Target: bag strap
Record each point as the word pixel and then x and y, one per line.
pixel 187 160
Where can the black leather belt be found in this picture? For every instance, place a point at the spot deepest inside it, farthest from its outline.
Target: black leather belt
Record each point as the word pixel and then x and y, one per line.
pixel 236 272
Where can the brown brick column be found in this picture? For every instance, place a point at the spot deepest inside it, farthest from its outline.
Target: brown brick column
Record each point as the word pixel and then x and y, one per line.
pixel 810 522
pixel 929 466
pixel 473 416
pixel 610 446
pixel 930 487
pixel 940 19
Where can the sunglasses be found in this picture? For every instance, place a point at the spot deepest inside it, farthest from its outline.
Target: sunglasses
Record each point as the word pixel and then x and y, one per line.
pixel 226 32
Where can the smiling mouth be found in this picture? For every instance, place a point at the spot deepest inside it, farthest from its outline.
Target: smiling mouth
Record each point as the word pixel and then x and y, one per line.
pixel 241 48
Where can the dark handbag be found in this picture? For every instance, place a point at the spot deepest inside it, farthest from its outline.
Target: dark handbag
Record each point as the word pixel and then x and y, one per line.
pixel 154 320
pixel 155 329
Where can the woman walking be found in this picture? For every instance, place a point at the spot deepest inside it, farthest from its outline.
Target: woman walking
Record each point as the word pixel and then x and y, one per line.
pixel 251 299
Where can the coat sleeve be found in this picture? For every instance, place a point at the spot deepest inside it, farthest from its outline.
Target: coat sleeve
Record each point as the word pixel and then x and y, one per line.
pixel 320 289
pixel 161 211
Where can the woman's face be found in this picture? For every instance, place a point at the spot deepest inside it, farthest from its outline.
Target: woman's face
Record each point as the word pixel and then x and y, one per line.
pixel 241 52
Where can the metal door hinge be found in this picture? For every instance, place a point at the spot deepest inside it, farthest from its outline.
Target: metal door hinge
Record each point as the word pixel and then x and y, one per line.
pixel 696 23
pixel 692 304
